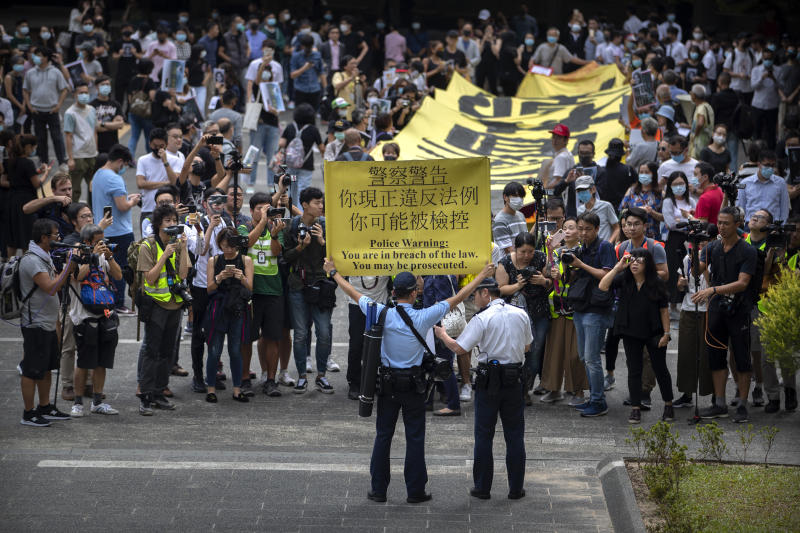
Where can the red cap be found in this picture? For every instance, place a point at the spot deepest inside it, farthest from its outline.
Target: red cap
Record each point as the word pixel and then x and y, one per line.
pixel 560 129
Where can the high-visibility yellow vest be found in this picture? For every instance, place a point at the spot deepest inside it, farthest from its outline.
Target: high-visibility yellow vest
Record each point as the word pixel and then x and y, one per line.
pixel 160 291
pixel 793 261
pixel 264 263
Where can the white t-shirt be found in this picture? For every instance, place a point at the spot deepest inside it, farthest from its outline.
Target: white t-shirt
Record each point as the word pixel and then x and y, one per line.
pixel 740 63
pixel 252 71
pixel 153 170
pixel 610 52
pixel 562 162
pixel 669 166
pixel 688 304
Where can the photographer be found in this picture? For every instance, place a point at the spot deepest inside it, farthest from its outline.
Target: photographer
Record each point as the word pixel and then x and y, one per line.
pixel 593 311
pixel 192 179
pixel 164 266
pixel 522 284
pixel 55 206
pixel 39 284
pixel 733 263
pixel 642 320
pixel 230 285
pixel 311 298
pixel 96 334
pixel 765 190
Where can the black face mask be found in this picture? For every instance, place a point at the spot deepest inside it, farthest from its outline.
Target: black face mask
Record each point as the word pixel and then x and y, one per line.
pixel 390 157
pixel 127 34
pixel 254 26
pixel 198 168
pixel 585 160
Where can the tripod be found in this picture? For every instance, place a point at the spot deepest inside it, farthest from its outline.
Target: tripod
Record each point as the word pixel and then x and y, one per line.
pixel 64 294
pixel 695 268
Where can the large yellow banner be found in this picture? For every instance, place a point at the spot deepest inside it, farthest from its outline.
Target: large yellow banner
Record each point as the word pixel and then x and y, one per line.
pixel 586 80
pixel 426 217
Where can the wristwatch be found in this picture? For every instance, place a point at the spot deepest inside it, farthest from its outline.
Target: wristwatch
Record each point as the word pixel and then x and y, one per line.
pixel 332 273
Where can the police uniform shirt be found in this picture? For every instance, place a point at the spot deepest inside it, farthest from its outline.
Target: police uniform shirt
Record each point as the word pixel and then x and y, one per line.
pixel 400 348
pixel 501 331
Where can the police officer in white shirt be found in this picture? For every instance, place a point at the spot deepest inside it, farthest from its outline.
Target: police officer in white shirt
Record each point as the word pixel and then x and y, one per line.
pixel 503 334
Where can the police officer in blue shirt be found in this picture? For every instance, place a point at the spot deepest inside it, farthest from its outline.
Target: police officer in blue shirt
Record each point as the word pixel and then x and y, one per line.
pixel 502 334
pixel 403 381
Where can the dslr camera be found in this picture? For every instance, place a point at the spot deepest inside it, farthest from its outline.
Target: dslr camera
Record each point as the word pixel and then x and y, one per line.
pixel 568 255
pixel 284 177
pixel 182 290
pixel 83 253
pixel 778 235
pixel 173 232
pixel 302 231
pixel 234 161
pixel 527 272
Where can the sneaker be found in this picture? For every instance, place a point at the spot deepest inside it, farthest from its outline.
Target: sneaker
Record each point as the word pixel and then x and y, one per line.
pixel 76 411
pixel 595 409
pixel 647 403
pixel 290 105
pixel 740 416
pixel 263 379
pixel 466 393
pixel 609 382
pixel 735 401
pixel 104 409
pixel 773 406
pixel 539 390
pixel 285 379
pixel 63 167
pixel 145 408
pixel 49 412
pixel 124 311
pixel 188 328
pixel 669 413
pixel 178 370
pixel 249 190
pixel 247 388
pixel 33 418
pixel 552 396
pixel 68 393
pixel 715 411
pixel 271 388
pixel 308 365
pixel 332 366
pixel 221 375
pixel 221 385
pixel 352 394
pixel 323 385
pixel 683 401
pixel 161 402
pixel 758 396
pixel 198 386
pixel 635 417
pixel 576 401
pixel 301 387
pixel 581 406
pixel 528 400
pixel 791 398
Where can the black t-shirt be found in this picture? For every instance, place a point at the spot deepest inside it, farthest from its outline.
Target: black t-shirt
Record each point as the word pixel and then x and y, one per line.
pixel 718 161
pixel 53 212
pixel 20 173
pixel 142 83
pixel 106 111
pixel 724 104
pixel 310 137
pixel 209 161
pixel 726 266
pixel 161 115
pixel 638 310
pixel 615 182
pixel 352 43
pixel 197 71
pixel 458 58
pixel 692 72
pixel 535 295
pixel 127 60
pixel 192 194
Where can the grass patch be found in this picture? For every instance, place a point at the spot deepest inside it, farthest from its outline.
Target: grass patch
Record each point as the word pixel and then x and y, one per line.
pixel 726 498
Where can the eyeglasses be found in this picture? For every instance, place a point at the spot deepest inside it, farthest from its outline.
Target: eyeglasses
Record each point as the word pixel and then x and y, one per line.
pixel 55 236
pixel 638 260
pixel 758 217
pixel 176 136
pixel 86 216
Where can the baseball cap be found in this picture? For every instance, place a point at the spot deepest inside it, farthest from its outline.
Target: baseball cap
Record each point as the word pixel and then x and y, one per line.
pixel 615 148
pixel 483 14
pixel 341 125
pixel 339 102
pixel 487 283
pixel 405 281
pixel 666 111
pixel 560 129
pixel 584 182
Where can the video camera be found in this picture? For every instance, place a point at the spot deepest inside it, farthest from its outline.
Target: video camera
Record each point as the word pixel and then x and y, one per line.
pixel 173 232
pixel 537 188
pixel 698 230
pixel 83 253
pixel 729 183
pixel 778 235
pixel 436 367
pixel 234 161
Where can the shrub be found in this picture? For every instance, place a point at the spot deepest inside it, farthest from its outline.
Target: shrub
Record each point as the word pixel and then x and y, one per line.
pixel 778 322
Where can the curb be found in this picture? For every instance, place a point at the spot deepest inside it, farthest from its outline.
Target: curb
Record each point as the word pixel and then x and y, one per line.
pixel 618 493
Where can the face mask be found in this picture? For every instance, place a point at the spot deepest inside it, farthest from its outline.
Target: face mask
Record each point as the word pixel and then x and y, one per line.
pixel 122 170
pixel 528 42
pixel 287 17
pixel 181 37
pixel 637 63
pixel 694 181
pixel 215 15
pixel 342 113
pixel 678 158
pixel 679 190
pixel 645 179
pixel 154 151
pixel 266 75
pixel 24 30
pixel 344 28
pixel 515 203
pixel 586 160
pixel 338 135
pixel 183 19
pixel 328 17
pixel 767 63
pixel 575 28
pixel 46 35
pixel 772 47
pixel 671 17
pixel 380 25
pixel 203 54
pixel 694 55
pixel 390 157
pixel 254 26
pixel 81 54
pixel 767 172
pixel 400 90
pixel 127 34
pixel 88 27
pixel 719 139
pixel 19 67
pixel 584 196
pixel 697 36
pixel 198 168
pixel 304 31
pixel 415 25
pixel 105 90
pixel 240 27
pixel 790 51
pixel 271 21
pixel 551 39
pixel 631 45
pixel 37 60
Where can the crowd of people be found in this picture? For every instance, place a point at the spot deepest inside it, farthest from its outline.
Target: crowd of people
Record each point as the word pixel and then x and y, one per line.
pixel 612 266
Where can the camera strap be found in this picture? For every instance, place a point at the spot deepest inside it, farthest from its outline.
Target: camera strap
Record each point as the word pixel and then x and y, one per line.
pixel 407 319
pixel 171 274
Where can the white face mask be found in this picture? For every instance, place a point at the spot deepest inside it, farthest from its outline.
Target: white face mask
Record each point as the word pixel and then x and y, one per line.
pixel 515 203
pixel 719 139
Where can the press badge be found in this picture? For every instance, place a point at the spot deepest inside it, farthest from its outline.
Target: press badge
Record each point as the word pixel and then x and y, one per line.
pixel 262 258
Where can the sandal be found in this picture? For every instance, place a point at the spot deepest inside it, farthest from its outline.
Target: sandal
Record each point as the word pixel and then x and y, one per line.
pixel 241 398
pixel 211 397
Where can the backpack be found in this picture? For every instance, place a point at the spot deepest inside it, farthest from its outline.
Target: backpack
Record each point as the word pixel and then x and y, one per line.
pixel 94 294
pixel 349 157
pixel 296 155
pixel 139 103
pixel 11 298
pixel 131 275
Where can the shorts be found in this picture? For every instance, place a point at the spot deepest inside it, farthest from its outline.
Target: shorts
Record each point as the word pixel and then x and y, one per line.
pixel 96 341
pixel 40 352
pixel 733 331
pixel 268 317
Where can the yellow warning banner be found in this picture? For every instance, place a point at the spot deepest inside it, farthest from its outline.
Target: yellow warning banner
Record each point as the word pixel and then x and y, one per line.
pixel 426 217
pixel 586 80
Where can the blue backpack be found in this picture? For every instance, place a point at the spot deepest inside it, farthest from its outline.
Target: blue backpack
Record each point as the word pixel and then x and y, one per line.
pixel 95 295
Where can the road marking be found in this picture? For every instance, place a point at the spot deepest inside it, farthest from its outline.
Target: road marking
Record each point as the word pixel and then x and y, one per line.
pixel 579 441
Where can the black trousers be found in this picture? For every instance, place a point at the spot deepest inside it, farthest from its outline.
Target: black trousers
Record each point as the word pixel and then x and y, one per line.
pixel 765 125
pixel 199 305
pixel 634 354
pixel 415 472
pixel 675 250
pixel 357 321
pixel 159 342
pixel 42 123
pixel 301 97
pixel 509 403
pixel 612 347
